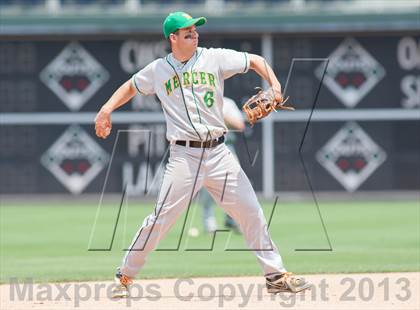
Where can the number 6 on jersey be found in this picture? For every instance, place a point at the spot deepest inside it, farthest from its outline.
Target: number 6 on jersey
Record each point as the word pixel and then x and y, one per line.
pixel 209 98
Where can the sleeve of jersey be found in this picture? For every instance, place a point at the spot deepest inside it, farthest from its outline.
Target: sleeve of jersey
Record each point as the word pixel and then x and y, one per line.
pixel 232 62
pixel 143 80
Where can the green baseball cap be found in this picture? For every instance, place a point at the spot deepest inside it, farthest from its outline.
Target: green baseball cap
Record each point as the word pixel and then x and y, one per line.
pixel 179 20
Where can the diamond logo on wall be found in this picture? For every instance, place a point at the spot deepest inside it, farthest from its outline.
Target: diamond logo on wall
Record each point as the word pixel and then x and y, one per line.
pixel 351 156
pixel 352 72
pixel 75 159
pixel 74 76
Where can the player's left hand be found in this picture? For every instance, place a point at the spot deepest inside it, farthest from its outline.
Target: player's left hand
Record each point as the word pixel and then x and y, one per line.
pixel 263 103
pixel 103 124
pixel 278 95
pixel 280 100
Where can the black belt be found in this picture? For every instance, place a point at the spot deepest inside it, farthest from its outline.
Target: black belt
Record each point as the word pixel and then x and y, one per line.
pixel 199 144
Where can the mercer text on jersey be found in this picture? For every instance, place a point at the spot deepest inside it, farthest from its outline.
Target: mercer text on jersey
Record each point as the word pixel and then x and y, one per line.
pixel 196 78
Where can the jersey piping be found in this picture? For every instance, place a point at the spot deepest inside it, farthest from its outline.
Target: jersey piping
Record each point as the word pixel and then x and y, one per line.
pixel 183 98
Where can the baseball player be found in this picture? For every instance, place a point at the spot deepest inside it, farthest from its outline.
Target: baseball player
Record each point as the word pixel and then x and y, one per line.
pixel 233 120
pixel 189 83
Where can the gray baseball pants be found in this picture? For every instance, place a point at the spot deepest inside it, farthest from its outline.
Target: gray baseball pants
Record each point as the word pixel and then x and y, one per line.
pixel 217 169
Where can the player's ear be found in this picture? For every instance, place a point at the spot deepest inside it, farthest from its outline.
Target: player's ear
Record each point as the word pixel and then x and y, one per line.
pixel 172 38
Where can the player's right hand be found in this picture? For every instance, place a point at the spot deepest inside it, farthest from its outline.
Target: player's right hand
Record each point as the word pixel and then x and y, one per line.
pixel 103 124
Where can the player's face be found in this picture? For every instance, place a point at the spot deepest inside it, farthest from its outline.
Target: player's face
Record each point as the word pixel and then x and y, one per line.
pixel 187 38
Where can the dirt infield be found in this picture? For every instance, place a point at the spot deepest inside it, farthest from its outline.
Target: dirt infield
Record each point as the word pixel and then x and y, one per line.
pixel 330 291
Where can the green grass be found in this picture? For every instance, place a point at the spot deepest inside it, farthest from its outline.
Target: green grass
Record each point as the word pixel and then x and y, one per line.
pixel 49 242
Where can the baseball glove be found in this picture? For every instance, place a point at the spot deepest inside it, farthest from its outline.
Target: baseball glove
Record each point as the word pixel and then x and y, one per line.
pixel 262 104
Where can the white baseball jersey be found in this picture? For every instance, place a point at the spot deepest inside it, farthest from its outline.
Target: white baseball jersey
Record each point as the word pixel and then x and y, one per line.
pixel 232 113
pixel 191 93
pixel 230 108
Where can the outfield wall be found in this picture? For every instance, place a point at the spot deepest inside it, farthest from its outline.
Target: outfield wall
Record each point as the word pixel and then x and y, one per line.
pixel 363 134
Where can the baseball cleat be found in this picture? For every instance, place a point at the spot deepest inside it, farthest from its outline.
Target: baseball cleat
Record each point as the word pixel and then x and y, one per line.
pixel 122 283
pixel 210 224
pixel 287 282
pixel 230 224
